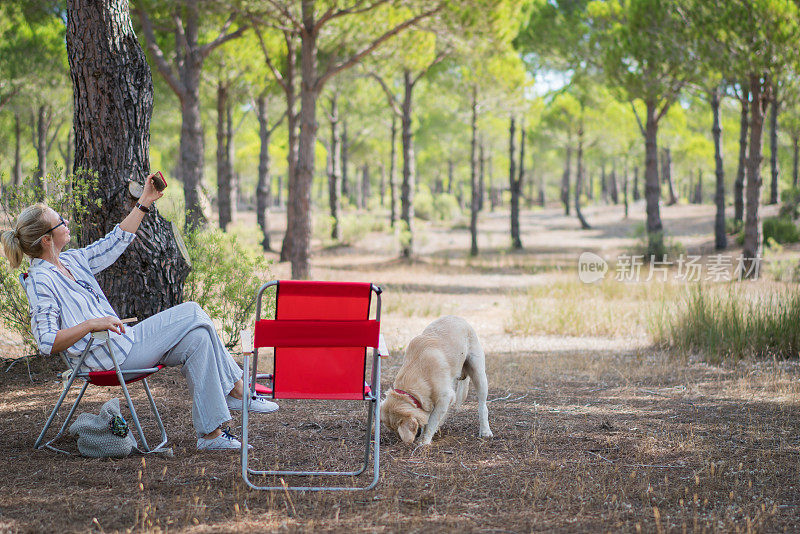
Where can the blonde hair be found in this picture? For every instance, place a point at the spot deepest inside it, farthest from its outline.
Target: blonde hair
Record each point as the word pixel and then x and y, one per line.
pixel 26 237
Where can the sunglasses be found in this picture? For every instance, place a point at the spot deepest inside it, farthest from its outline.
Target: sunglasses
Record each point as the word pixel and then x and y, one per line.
pixel 63 222
pixel 85 285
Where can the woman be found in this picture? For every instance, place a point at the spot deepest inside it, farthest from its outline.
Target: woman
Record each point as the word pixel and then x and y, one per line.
pixel 67 304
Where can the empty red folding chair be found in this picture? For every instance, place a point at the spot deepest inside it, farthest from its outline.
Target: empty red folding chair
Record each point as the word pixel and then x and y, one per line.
pixel 321 335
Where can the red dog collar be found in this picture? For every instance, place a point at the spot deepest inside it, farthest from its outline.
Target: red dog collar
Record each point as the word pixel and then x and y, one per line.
pixel 413 398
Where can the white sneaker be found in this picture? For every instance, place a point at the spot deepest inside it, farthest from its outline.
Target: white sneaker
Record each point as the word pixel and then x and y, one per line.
pixel 257 404
pixel 224 442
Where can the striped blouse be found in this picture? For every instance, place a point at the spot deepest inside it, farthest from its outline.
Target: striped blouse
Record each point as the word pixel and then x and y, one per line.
pixel 57 302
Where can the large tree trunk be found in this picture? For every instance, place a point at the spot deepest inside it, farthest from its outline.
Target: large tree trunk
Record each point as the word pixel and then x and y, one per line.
pixel 409 170
pixel 655 233
pixel 17 176
pixel 774 191
pixel 515 186
pixel 565 177
pixel 299 205
pixel 668 179
pixel 720 237
pixel 223 165
pixel 474 178
pixel 264 185
pixel 738 184
pixel 579 176
pixel 113 101
pixel 334 174
pixel 393 174
pixel 753 235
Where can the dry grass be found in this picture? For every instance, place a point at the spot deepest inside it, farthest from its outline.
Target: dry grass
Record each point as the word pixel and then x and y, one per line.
pixel 585 440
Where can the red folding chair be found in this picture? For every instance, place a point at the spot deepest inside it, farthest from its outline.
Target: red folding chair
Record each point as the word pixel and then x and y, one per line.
pixel 112 377
pixel 320 334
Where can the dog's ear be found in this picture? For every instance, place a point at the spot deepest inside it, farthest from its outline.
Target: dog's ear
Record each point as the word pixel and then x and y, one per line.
pixel 408 430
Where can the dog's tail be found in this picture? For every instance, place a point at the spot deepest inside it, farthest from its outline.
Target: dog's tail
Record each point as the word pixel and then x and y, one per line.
pixel 462 388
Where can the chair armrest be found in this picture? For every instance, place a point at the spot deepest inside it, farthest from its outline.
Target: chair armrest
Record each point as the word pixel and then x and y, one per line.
pixel 383 351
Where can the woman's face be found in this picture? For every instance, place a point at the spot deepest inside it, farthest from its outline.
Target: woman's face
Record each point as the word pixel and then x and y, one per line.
pixel 60 232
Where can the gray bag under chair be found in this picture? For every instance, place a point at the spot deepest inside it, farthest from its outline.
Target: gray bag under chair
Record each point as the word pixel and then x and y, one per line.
pixel 105 435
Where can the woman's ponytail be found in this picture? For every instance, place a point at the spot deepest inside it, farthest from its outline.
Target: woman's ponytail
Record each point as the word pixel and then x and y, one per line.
pixel 12 248
pixel 26 237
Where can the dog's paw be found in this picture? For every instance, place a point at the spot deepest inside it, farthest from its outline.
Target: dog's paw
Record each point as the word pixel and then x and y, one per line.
pixel 486 434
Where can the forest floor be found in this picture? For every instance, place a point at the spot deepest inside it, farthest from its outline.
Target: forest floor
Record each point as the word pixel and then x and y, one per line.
pixel 591 432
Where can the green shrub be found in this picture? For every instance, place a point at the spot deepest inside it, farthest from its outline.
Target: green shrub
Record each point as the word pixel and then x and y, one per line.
pixel 69 196
pixel 790 207
pixel 423 204
pixel 781 229
pixel 224 279
pixel 733 226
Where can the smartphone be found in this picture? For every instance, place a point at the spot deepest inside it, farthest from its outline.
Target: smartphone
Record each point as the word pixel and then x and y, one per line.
pixel 159 182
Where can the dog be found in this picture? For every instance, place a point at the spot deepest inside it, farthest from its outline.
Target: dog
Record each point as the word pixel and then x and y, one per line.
pixel 437 367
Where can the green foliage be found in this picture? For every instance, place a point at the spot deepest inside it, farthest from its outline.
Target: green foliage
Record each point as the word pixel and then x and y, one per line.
pixel 780 229
pixel 224 279
pixel 442 207
pixel 654 244
pixel 733 325
pixel 790 206
pixel 68 195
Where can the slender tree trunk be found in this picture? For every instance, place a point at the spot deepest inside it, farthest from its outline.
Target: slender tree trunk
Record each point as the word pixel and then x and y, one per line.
pixel 612 183
pixel 738 184
pixel 264 185
pixel 17 159
pixel 774 191
pixel 670 181
pixel 365 187
pixel 481 177
pixel 474 178
pixel 625 187
pixel 565 177
pixel 409 168
pixel 334 175
pixel 42 127
pixel 720 237
pixel 698 192
pixel 231 160
pixel 223 168
pixel 603 183
pixel 382 189
pixel 515 187
pixel 542 198
pixel 347 190
pixel 655 233
pixel 795 158
pixel 753 235
pixel 299 205
pixel 636 195
pixel 113 102
pixel 292 121
pixel 393 173
pixel 579 176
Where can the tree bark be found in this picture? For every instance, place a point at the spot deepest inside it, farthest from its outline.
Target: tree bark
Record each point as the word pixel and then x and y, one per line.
pixel 774 191
pixel 738 184
pixel 698 191
pixel 720 237
pixel 223 165
pixel 334 175
pixel 17 176
pixel 565 177
pixel 393 174
pixel 409 170
pixel 291 157
pixel 264 185
pixel 655 231
pixel 636 195
pixel 42 127
pixel 612 183
pixel 113 101
pixel 751 252
pixel 474 178
pixel 515 187
pixel 579 176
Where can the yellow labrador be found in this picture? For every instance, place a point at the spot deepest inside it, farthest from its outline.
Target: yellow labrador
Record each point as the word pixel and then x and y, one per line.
pixel 437 367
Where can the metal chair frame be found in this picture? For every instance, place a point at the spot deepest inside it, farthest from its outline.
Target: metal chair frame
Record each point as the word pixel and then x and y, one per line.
pixel 132 374
pixel 373 419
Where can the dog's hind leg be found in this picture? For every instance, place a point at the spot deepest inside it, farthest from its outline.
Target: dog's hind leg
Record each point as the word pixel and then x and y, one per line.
pixel 437 416
pixel 477 371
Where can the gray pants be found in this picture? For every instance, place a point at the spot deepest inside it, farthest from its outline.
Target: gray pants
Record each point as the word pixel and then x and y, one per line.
pixel 184 335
